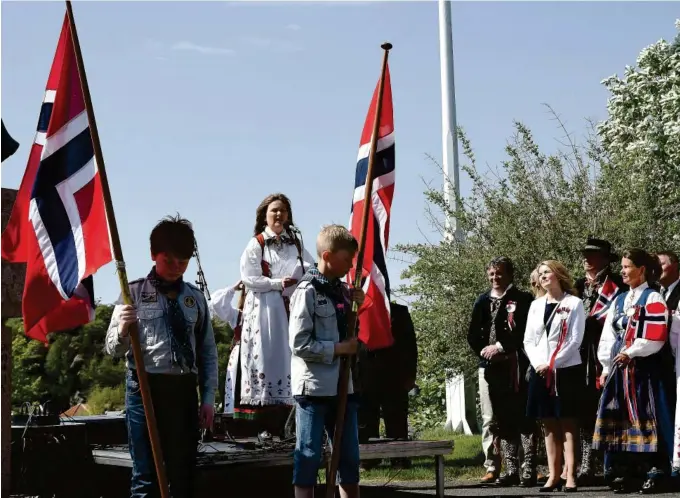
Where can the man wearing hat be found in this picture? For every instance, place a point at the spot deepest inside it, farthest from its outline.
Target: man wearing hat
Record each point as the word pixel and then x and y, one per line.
pixel 597 290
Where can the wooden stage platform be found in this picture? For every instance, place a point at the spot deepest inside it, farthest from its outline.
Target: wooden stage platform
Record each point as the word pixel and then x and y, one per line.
pixel 89 454
pixel 219 455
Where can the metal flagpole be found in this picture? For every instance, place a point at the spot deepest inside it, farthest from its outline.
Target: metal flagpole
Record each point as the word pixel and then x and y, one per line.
pixel 449 136
pixel 455 386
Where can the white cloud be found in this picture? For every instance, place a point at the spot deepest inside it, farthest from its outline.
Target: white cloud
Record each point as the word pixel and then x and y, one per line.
pixel 272 44
pixel 202 49
pixel 294 27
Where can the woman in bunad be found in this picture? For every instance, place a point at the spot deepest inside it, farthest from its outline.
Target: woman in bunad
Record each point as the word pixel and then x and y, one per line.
pixel 271 266
pixel 552 340
pixel 220 306
pixel 634 423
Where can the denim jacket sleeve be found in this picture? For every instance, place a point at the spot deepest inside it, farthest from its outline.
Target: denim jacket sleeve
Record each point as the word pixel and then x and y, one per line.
pixel 113 344
pixel 208 368
pixel 303 344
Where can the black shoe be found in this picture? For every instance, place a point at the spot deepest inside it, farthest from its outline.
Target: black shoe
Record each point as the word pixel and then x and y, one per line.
pixel 573 489
pixel 555 487
pixel 527 479
pixel 652 486
pixel 508 480
pixel 621 485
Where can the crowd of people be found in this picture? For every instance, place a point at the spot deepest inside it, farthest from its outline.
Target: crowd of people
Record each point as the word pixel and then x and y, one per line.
pixel 290 331
pixel 593 364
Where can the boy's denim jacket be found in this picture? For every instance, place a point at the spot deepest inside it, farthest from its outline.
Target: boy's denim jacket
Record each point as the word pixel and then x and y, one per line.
pixel 154 334
pixel 313 334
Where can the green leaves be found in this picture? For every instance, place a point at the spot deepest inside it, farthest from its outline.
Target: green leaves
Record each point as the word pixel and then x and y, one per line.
pixel 640 170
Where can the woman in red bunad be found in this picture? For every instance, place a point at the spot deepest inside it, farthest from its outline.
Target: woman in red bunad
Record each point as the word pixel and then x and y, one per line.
pixel 553 336
pixel 634 423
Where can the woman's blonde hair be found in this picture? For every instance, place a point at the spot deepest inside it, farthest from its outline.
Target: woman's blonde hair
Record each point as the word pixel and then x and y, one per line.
pixel 562 274
pixel 533 279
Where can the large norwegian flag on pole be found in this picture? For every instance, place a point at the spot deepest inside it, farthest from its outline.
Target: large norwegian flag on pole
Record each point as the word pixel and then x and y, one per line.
pixel 375 327
pixel 58 225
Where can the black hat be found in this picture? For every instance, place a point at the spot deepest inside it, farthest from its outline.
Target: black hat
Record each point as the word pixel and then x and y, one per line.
pixel 9 145
pixel 599 245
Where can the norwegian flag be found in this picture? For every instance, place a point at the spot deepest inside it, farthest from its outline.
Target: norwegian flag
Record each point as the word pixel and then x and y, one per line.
pixel 607 294
pixel 375 329
pixel 58 225
pixel 652 322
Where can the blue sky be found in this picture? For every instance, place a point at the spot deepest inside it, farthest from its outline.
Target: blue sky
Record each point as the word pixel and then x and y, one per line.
pixel 205 108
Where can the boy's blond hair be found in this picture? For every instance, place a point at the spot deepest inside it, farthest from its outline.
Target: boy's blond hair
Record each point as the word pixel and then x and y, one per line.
pixel 334 238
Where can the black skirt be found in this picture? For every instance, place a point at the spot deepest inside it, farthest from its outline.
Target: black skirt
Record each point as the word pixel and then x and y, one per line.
pixel 570 383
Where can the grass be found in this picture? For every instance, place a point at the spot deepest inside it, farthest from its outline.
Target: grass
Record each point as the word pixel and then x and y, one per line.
pixel 466 462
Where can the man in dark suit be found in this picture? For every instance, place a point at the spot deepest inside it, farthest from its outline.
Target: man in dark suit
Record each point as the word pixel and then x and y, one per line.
pixel 496 335
pixel 670 290
pixel 670 278
pixel 600 285
pixel 386 376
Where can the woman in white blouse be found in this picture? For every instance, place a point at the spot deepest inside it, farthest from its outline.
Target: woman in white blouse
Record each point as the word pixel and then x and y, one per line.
pixel 634 425
pixel 220 306
pixel 271 266
pixel 552 339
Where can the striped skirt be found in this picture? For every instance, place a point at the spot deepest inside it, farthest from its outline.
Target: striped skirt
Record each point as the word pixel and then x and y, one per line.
pixel 637 426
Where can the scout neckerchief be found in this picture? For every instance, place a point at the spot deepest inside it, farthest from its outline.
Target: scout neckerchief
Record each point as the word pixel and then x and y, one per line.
pixel 335 291
pixel 182 352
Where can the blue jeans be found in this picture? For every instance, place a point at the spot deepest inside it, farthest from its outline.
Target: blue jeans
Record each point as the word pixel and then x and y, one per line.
pixel 312 416
pixel 175 402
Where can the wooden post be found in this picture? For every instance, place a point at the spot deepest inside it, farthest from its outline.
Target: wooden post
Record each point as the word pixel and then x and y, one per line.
pixel 120 264
pixel 351 322
pixel 13 276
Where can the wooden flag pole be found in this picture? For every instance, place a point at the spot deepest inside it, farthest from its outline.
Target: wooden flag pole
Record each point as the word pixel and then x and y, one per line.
pixel 345 363
pixel 120 264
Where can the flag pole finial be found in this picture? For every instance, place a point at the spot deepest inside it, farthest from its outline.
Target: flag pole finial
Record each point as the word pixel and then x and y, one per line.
pixel 386 46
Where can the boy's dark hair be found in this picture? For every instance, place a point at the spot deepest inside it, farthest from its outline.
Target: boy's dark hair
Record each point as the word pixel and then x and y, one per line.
pixel 173 235
pixel 505 263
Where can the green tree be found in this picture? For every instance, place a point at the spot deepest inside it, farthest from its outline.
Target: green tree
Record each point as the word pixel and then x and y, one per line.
pixel 640 149
pixel 535 207
pixel 622 183
pixel 28 359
